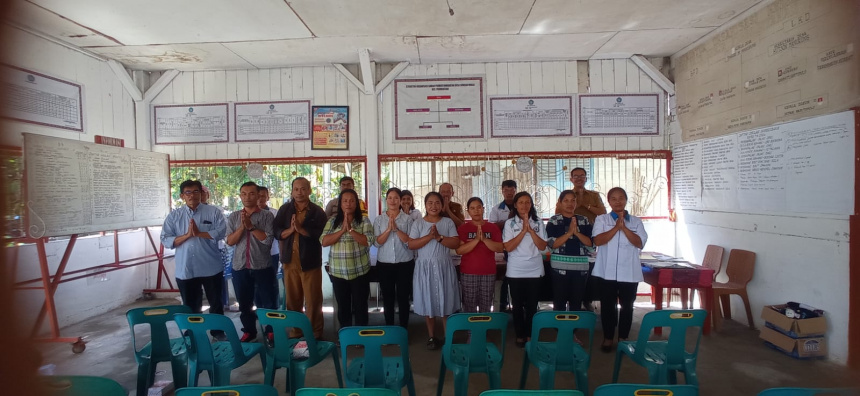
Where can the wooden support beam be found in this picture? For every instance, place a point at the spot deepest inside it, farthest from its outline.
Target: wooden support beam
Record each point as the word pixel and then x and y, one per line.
pixel 125 79
pixel 655 74
pixel 367 70
pixel 159 85
pixel 391 76
pixel 348 76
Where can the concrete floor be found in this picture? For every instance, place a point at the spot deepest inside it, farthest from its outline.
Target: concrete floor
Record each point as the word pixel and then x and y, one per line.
pixel 731 362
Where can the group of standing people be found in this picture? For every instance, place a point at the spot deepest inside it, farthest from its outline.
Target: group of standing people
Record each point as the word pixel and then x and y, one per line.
pixel 413 254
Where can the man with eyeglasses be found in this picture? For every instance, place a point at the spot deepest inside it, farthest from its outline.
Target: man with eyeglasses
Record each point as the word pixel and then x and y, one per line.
pixel 193 232
pixel 588 203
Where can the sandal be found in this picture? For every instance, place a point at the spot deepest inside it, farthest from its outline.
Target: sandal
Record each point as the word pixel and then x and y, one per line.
pixel 520 342
pixel 432 344
pixel 606 347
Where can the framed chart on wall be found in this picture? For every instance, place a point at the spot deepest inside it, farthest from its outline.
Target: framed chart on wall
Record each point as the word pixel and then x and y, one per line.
pixel 619 114
pixel 531 115
pixel 330 128
pixel 272 121
pixel 439 108
pixel 191 123
pixel 41 99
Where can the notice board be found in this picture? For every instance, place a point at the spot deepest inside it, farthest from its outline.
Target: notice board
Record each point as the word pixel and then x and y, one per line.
pixel 804 166
pixel 77 187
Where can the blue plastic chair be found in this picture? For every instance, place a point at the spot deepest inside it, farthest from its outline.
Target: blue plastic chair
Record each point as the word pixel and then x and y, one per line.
pixel 346 392
pixel 512 392
pixel 217 358
pixel 646 390
pixel 372 370
pixel 79 385
pixel 160 348
pixel 562 354
pixel 664 358
pixel 233 390
pixel 477 356
pixel 281 355
pixel 810 392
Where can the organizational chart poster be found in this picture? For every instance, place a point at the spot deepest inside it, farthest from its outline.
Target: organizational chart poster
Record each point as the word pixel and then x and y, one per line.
pixel 439 108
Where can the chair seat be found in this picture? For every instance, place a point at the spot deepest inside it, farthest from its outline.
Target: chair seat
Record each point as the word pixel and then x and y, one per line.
pixel 177 348
pixel 323 349
pixel 394 375
pixel 720 286
pixel 222 352
pixel 546 355
pixel 459 358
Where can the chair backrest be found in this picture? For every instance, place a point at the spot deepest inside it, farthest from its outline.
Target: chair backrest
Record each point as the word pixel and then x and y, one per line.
pixel 565 323
pixel 514 392
pixel 156 318
pixel 346 392
pixel 80 385
pixel 282 322
pixel 198 325
pixel 373 338
pixel 646 390
pixel 478 324
pixel 741 266
pixel 231 390
pixel 810 392
pixel 713 258
pixel 678 321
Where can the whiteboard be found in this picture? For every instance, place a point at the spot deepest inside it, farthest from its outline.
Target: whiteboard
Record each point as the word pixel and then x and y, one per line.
pixel 191 123
pixel 804 166
pixel 272 121
pixel 531 115
pixel 439 108
pixel 619 114
pixel 41 99
pixel 76 187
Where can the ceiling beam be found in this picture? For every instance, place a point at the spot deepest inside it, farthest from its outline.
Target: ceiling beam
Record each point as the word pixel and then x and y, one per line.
pixel 125 79
pixel 348 76
pixel 367 70
pixel 159 85
pixel 391 76
pixel 655 74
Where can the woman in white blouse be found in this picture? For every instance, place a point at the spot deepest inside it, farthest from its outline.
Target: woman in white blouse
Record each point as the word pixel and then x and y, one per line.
pixel 525 240
pixel 619 238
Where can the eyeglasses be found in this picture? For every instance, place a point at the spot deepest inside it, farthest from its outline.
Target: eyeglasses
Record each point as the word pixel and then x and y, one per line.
pixel 578 177
pixel 191 192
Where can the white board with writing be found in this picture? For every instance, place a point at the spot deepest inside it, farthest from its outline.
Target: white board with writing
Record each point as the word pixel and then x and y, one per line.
pixel 804 166
pixel 77 187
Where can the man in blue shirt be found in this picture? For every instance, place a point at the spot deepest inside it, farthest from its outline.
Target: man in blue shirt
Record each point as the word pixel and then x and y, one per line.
pixel 193 232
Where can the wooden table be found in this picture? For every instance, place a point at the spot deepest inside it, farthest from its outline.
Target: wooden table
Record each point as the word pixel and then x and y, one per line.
pixel 680 275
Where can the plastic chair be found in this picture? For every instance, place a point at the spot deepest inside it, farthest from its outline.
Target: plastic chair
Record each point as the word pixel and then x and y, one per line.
pixel 809 392
pixel 739 268
pixel 646 390
pixel 372 370
pixel 281 355
pixel 713 260
pixel 478 355
pixel 562 354
pixel 346 392
pixel 512 392
pixel 217 358
pixel 79 385
pixel 234 390
pixel 664 358
pixel 160 348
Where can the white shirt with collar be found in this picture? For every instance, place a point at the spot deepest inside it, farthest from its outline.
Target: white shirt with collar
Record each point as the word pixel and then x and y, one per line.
pixel 525 261
pixel 618 259
pixel 498 213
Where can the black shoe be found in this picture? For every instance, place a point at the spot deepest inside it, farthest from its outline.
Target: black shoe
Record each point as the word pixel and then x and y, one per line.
pixel 433 344
pixel 606 348
pixel 521 343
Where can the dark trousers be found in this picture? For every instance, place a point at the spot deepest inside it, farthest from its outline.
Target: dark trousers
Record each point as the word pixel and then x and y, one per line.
pixel 524 296
pixel 351 296
pixel 568 289
pixel 395 280
pixel 192 295
pixel 612 293
pixel 249 283
pixel 503 294
pixel 275 297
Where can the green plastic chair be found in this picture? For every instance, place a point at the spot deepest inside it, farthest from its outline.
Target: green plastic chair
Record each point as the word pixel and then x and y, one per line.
pixel 160 348
pixel 562 354
pixel 372 370
pixel 809 392
pixel 233 390
pixel 477 356
pixel 664 358
pixel 80 385
pixel 646 390
pixel 512 392
pixel 281 355
pixel 217 358
pixel 346 392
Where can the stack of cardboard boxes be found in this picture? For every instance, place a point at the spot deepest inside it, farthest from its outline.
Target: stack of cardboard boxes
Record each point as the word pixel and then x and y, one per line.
pixel 799 338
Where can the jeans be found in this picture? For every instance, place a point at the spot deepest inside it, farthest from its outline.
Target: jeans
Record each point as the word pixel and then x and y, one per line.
pixel 249 283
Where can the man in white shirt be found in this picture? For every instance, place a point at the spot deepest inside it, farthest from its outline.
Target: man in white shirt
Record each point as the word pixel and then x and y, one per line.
pixel 499 214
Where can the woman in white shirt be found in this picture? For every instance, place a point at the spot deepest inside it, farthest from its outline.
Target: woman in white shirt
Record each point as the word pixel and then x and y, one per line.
pixel 407 203
pixel 525 240
pixel 619 238
pixel 395 263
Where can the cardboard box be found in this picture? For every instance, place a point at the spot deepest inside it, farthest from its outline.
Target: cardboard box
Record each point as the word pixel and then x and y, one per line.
pixel 796 347
pixel 794 328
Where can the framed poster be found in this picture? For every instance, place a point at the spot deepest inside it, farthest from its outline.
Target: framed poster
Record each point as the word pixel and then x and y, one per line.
pixel 439 108
pixel 619 114
pixel 41 99
pixel 191 123
pixel 531 115
pixel 272 121
pixel 330 128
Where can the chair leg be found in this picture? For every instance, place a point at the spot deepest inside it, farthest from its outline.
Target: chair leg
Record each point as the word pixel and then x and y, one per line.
pixel 525 371
pixel 334 356
pixel 441 382
pixel 715 313
pixel 495 379
pixel 684 296
pixel 581 381
pixel 746 300
pixel 618 356
pixel 726 302
pixel 193 374
pixel 179 367
pixel 297 379
pixel 269 374
pixel 547 378
pixel 690 377
pixel 143 375
pixel 410 385
pixel 461 383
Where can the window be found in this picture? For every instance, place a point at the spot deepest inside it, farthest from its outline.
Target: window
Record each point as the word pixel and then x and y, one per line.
pixel 642 175
pixel 12 166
